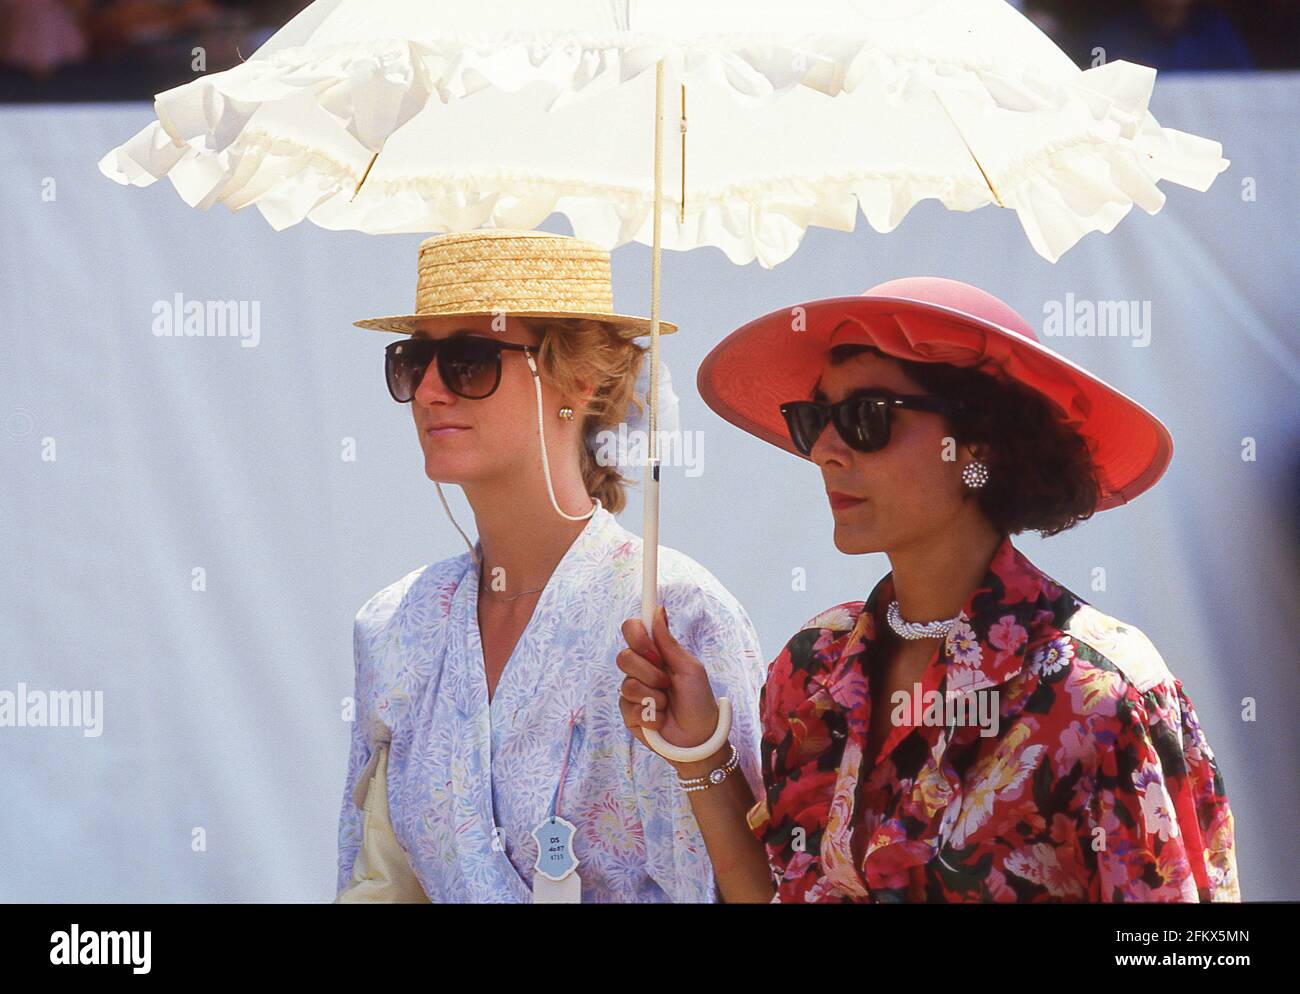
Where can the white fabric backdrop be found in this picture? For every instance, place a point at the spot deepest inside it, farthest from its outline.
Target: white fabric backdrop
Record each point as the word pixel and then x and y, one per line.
pixel 222 707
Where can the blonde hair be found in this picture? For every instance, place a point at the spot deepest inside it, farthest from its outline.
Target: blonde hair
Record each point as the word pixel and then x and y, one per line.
pixel 584 351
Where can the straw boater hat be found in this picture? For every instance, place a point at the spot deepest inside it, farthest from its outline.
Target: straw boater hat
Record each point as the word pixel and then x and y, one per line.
pixel 769 361
pixel 518 273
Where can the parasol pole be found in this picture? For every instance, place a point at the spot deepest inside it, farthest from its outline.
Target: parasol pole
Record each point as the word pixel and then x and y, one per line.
pixel 650 525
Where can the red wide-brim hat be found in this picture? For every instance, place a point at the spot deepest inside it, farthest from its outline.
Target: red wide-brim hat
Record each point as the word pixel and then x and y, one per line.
pixel 778 358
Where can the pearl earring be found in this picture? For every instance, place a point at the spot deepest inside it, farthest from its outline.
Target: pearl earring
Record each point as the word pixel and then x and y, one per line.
pixel 566 413
pixel 975 474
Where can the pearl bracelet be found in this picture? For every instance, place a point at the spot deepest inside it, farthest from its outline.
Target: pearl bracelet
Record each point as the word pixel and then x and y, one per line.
pixel 714 777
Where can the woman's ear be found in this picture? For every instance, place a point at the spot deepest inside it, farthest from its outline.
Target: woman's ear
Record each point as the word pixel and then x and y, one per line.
pixel 583 395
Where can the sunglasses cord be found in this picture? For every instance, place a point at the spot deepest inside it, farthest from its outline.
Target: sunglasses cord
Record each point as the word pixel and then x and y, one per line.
pixel 546 463
pixel 446 507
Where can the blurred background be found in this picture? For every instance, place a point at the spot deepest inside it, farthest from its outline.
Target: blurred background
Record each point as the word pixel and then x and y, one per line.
pixel 76 50
pixel 289 478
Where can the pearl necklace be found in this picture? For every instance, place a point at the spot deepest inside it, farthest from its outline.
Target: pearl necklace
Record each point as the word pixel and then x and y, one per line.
pixel 918 629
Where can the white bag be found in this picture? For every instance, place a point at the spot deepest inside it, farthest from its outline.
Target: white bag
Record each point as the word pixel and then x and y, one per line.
pixel 381 874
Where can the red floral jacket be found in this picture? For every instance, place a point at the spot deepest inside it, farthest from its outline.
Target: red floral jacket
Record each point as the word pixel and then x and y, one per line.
pixel 1049 756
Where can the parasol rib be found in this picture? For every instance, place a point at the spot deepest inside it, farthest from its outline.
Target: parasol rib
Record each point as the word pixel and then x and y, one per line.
pixel 369 166
pixel 971 151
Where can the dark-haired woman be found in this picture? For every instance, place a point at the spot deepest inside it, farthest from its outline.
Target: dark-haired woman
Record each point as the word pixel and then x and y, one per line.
pixel 973 731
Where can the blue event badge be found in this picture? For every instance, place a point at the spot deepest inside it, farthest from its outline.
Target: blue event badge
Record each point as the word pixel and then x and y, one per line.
pixel 555 858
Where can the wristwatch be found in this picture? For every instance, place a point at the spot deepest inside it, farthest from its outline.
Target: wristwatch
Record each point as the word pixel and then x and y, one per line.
pixel 713 777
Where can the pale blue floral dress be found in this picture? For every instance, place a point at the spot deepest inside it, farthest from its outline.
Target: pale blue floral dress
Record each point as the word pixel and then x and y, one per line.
pixel 468 781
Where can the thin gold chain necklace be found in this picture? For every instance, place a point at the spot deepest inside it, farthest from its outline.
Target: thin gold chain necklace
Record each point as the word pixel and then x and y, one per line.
pixel 493 595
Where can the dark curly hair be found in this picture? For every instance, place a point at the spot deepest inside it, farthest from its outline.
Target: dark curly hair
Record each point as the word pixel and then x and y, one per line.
pixel 1041 473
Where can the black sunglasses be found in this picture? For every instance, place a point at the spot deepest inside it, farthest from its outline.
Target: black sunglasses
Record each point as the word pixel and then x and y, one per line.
pixel 862 419
pixel 470 365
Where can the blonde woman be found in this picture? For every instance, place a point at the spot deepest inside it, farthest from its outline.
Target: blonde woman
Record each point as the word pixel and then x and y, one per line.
pixel 489 758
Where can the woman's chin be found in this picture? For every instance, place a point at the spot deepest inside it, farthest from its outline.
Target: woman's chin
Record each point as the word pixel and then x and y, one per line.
pixel 855 540
pixel 451 471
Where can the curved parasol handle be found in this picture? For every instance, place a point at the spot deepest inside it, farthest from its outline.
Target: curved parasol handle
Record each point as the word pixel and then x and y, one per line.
pixel 693 754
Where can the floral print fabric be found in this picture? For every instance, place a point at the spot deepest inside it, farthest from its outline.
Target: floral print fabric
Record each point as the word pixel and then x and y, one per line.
pixel 470 779
pixel 1098 784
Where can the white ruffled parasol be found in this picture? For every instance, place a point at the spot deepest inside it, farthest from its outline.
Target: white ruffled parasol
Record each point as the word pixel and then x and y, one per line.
pixel 353 116
pixel 391 116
